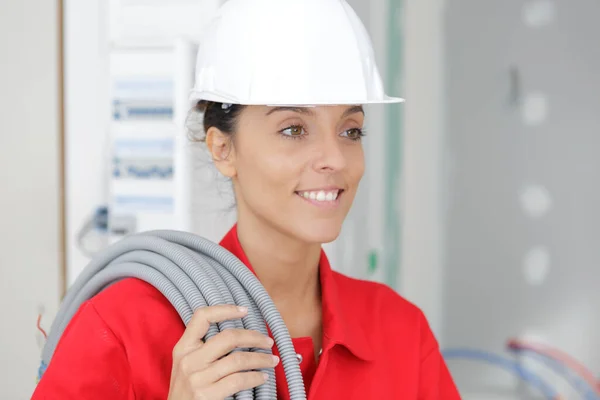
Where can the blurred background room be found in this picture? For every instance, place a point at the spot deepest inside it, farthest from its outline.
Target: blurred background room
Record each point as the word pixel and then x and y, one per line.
pixel 479 203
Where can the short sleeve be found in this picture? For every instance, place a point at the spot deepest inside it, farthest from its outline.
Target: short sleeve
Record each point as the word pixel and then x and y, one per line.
pixel 89 362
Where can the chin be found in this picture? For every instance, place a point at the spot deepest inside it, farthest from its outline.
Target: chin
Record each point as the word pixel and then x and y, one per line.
pixel 317 231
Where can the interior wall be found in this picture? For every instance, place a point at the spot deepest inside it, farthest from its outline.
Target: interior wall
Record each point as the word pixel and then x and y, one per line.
pixel 522 245
pixel 421 274
pixel 87 112
pixel 30 178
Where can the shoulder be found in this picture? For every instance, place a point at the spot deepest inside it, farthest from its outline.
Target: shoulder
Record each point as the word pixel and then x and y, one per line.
pixel 382 308
pixel 374 296
pixel 132 307
pixel 127 294
pixel 390 321
pixel 127 291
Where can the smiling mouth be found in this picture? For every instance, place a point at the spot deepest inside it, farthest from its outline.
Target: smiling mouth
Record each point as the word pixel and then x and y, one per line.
pixel 321 196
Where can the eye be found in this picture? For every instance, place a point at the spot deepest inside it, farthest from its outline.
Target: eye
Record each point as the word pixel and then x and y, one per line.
pixel 353 134
pixel 293 131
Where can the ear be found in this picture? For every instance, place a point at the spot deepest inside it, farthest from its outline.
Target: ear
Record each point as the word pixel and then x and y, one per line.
pixel 220 147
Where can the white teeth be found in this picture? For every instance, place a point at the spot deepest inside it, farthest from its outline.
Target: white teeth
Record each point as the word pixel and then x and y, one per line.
pixel 320 195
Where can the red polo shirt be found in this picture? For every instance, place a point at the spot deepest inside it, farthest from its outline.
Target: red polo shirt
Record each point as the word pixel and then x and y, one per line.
pixel 376 345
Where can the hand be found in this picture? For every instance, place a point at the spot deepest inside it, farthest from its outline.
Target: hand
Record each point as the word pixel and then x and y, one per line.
pixel 206 371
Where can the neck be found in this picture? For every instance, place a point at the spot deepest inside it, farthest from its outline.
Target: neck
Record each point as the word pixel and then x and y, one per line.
pixel 286 267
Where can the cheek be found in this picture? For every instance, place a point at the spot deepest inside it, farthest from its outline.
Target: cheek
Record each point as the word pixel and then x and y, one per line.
pixel 356 165
pixel 266 174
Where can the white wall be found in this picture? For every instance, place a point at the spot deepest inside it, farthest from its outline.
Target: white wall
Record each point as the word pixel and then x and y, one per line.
pixel 87 112
pixel 421 273
pixel 29 178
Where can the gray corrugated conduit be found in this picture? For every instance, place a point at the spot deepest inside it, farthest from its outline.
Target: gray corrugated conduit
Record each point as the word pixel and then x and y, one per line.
pixel 191 272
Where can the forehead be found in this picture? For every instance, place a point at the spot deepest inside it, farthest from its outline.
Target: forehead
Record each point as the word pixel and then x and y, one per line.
pixel 338 111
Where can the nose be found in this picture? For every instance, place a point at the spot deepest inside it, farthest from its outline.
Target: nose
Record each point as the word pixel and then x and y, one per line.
pixel 330 153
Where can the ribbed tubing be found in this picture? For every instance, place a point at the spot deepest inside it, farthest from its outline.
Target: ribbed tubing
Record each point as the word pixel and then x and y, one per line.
pixel 191 272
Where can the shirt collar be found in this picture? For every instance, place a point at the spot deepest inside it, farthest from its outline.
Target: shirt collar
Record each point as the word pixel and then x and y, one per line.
pixel 341 322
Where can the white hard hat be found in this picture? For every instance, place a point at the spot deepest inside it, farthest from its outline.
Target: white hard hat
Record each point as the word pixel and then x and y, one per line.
pixel 287 52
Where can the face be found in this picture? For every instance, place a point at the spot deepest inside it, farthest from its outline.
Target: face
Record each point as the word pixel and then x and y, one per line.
pixel 296 169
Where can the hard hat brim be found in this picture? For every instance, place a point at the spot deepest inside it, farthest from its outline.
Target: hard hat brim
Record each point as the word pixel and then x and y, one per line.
pixel 196 96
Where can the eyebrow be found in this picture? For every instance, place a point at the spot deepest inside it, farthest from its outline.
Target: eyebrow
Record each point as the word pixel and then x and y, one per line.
pixel 308 111
pixel 301 110
pixel 353 110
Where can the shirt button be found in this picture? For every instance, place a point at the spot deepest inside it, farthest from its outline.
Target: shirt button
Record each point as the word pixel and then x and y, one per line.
pixel 299 357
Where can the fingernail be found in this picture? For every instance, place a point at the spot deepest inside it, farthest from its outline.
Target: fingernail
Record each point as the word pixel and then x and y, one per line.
pixel 265 376
pixel 271 342
pixel 242 309
pixel 275 360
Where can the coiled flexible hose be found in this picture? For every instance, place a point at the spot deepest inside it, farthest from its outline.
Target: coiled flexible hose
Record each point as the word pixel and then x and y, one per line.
pixel 191 272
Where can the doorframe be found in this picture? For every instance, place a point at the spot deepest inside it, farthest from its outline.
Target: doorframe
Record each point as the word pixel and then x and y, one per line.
pixel 62 212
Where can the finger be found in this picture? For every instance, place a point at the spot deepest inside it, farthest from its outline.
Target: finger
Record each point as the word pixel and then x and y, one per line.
pixel 232 364
pixel 203 317
pixel 235 383
pixel 220 346
pixel 225 342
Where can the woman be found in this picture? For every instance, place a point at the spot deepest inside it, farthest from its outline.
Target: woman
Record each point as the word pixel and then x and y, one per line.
pixel 293 151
